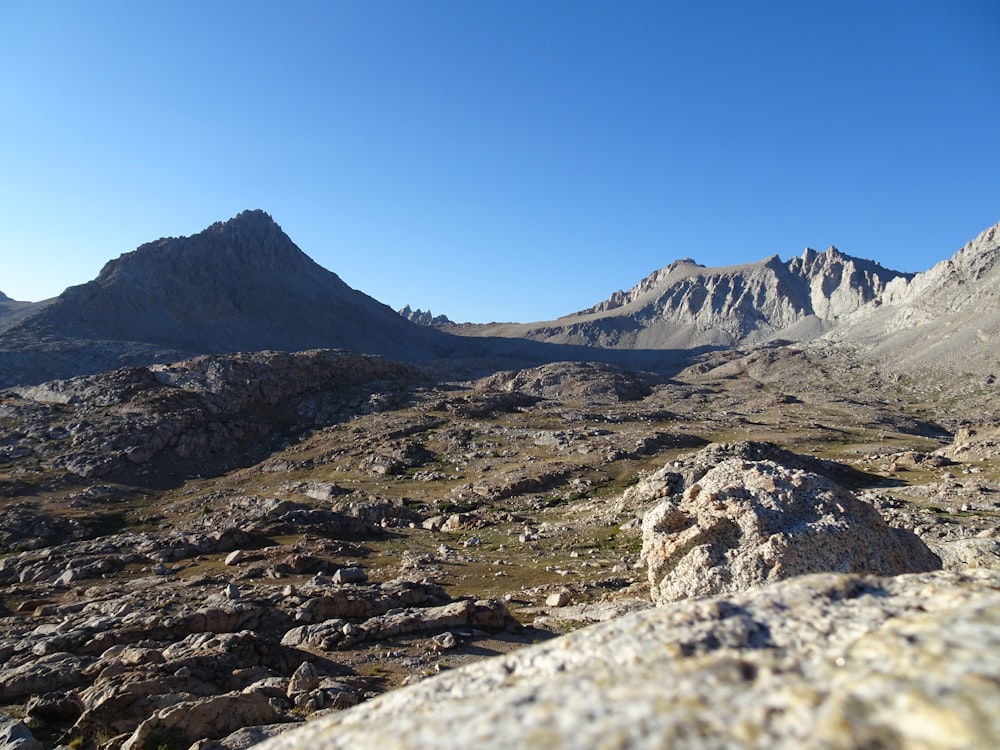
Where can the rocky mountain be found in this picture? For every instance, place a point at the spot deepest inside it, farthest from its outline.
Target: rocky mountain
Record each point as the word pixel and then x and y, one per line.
pixel 240 285
pixel 944 321
pixel 243 285
pixel 686 305
pixel 425 317
pixel 947 317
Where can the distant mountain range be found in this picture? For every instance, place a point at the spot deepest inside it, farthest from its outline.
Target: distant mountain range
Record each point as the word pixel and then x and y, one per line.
pixel 686 305
pixel 243 285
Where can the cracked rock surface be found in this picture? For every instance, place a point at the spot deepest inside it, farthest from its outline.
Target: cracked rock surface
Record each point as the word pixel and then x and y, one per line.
pixel 825 660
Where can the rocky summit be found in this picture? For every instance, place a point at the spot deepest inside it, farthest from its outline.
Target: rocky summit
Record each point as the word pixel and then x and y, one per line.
pixel 787 535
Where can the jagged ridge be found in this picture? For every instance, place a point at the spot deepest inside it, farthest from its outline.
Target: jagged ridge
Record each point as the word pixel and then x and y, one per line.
pixel 424 317
pixel 685 304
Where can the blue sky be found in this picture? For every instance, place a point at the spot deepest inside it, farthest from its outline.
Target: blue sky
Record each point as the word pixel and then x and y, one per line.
pixel 497 160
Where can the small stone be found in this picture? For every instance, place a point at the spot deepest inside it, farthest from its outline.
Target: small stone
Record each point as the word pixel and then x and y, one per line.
pixel 304 680
pixel 235 557
pixel 66 578
pixel 434 523
pixel 350 575
pixel 558 599
pixel 445 641
pixel 231 591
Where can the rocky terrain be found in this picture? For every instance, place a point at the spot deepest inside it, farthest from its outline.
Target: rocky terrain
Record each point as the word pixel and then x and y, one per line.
pixel 323 548
pixel 255 540
pixel 946 318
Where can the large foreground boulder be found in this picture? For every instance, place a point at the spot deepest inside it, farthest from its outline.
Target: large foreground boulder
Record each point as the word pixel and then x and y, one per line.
pixel 823 661
pixel 747 523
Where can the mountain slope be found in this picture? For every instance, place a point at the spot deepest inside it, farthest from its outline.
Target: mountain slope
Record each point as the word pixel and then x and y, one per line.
pixel 945 318
pixel 685 305
pixel 240 285
pixel 12 310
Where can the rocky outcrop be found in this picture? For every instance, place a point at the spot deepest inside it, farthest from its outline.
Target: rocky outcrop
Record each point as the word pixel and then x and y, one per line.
pixel 335 633
pixel 159 660
pixel 193 410
pixel 15 735
pixel 584 382
pixel 975 552
pixel 839 284
pixel 974 442
pixel 684 471
pixel 828 660
pixel 211 718
pixel 744 524
pixel 424 317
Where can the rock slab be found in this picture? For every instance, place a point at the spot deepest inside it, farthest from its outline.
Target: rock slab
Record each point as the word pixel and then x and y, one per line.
pixel 826 660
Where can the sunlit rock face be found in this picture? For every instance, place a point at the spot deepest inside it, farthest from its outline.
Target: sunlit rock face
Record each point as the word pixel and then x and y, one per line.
pixel 746 523
pixel 686 304
pixel 826 660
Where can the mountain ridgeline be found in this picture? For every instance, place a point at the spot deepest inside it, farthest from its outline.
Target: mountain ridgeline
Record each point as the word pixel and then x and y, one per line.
pixel 686 305
pixel 243 285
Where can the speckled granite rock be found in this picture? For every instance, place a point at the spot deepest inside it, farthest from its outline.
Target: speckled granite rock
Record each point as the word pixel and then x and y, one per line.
pixel 969 553
pixel 746 523
pixel 821 661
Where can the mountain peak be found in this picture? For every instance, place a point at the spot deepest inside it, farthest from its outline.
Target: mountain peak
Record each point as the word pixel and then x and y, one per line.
pixel 238 285
pixel 5 298
pixel 251 219
pixel 251 244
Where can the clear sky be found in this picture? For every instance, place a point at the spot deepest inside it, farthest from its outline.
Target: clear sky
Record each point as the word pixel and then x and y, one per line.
pixel 514 160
